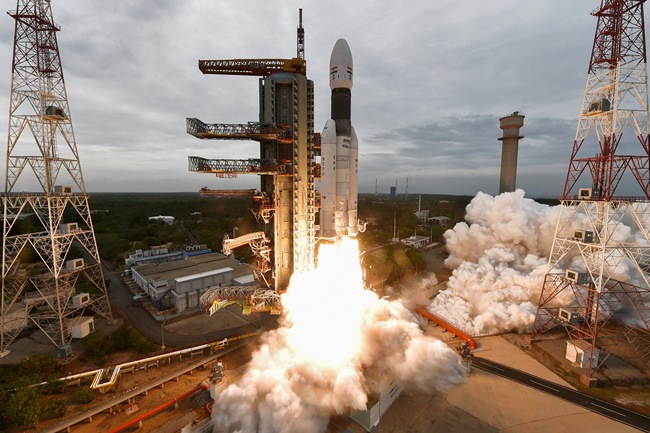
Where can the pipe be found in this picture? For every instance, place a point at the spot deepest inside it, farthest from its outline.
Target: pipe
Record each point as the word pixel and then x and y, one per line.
pixel 208 407
pixel 448 326
pixel 159 408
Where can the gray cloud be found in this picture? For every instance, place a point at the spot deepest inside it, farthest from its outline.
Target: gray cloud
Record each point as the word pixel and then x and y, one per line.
pixel 431 81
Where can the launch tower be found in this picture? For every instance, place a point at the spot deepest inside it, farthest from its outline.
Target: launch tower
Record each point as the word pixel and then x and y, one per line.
pixel 48 241
pixel 597 284
pixel 286 164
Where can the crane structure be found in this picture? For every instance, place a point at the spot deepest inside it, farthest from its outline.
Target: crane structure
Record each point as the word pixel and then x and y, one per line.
pixel 286 165
pixel 48 243
pixel 601 298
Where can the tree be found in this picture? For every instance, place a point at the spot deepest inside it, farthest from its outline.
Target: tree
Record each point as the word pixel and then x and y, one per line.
pixel 23 407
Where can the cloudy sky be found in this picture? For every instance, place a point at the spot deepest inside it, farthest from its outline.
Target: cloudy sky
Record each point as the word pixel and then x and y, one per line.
pixel 432 79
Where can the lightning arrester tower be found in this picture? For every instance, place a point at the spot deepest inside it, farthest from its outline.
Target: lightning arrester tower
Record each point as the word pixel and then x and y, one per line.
pixel 40 268
pixel 596 287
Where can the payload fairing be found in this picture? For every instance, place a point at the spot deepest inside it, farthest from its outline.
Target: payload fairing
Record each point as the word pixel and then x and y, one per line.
pixel 339 153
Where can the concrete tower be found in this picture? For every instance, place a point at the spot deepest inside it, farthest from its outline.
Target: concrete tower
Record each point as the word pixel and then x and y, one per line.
pixel 510 125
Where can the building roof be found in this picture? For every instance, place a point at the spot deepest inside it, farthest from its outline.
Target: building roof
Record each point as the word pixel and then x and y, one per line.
pixel 191 266
pixel 202 274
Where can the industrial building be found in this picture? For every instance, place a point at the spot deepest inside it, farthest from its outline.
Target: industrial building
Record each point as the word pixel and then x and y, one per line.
pixel 181 283
pixel 164 254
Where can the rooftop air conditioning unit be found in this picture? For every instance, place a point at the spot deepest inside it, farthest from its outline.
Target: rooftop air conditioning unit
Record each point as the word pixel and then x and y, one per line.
pixel 584 194
pixel 576 277
pixel 583 236
pixel 567 316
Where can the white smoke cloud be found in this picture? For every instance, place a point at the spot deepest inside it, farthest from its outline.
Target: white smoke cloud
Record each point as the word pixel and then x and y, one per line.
pixel 500 260
pixel 499 263
pixel 333 335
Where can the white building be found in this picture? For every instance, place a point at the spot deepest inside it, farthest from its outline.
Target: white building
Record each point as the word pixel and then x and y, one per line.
pixel 382 393
pixel 162 255
pixel 422 216
pixel 166 219
pixel 439 220
pixel 180 284
pixel 416 241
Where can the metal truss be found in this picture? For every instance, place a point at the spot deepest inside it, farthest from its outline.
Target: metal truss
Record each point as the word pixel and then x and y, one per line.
pixel 237 131
pixel 255 67
pixel 236 166
pixel 263 209
pixel 592 304
pixel 259 245
pixel 252 299
pixel 615 98
pixel 41 147
pixel 590 300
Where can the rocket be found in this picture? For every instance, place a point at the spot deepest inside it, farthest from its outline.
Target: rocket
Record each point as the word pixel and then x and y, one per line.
pixel 339 153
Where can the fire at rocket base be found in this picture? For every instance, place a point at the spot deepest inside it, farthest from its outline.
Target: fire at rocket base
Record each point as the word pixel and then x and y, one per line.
pixel 339 153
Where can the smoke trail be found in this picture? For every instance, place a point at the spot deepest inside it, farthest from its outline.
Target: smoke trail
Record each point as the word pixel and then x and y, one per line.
pixel 315 364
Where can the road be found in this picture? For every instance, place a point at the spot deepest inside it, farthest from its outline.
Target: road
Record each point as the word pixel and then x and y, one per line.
pixel 615 412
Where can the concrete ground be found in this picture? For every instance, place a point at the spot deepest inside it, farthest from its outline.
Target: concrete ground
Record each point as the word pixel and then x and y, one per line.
pixel 488 403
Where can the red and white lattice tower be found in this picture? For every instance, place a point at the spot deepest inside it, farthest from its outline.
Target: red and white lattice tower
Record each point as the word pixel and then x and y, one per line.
pixel 597 284
pixel 51 270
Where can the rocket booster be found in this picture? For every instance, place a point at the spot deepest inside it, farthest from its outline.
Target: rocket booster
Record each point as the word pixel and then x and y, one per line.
pixel 339 153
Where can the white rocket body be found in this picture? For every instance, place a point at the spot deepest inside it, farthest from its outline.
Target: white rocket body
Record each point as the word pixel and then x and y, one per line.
pixel 339 153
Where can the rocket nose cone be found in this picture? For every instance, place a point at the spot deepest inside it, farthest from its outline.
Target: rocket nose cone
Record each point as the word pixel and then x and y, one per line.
pixel 341 65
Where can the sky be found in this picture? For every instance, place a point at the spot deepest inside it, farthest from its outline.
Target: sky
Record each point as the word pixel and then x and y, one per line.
pixel 432 79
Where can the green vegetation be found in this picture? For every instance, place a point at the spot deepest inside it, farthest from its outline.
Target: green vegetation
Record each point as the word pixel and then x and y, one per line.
pixel 122 225
pixel 385 262
pixel 84 396
pixel 22 405
pixel 99 345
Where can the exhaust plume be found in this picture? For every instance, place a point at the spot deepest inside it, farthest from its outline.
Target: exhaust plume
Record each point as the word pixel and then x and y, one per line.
pixel 332 334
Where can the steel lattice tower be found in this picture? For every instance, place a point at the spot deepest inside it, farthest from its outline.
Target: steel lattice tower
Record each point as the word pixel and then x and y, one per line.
pixel 40 268
pixel 602 297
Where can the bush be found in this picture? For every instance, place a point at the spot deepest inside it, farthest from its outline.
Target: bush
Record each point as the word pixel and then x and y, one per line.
pixel 56 408
pixel 43 367
pixel 23 407
pixel 98 345
pixel 55 386
pixel 83 396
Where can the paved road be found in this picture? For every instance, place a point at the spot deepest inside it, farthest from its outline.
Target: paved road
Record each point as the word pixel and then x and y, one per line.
pixel 121 298
pixel 613 411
